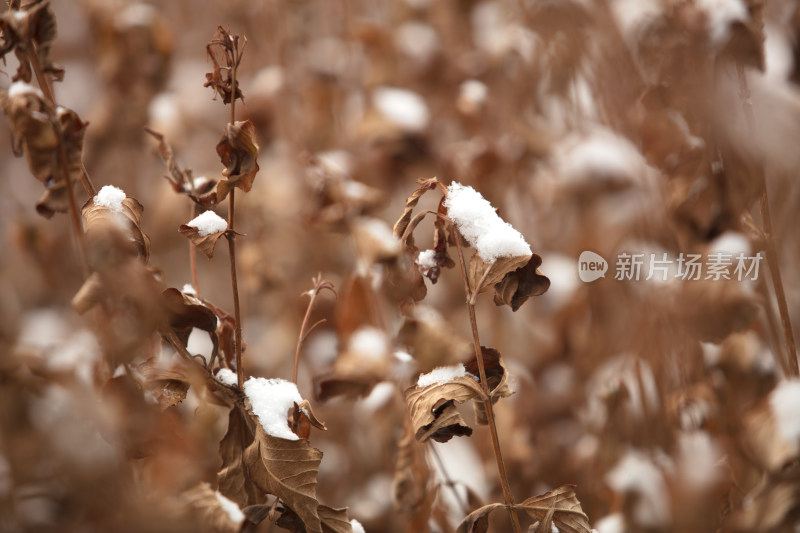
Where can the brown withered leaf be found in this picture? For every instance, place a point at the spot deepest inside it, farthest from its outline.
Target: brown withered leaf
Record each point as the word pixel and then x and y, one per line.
pixel 496 378
pixel 89 295
pixel 233 478
pixel 37 130
pixel 127 220
pixel 561 504
pixel 301 418
pixel 432 408
pixel 238 151
pixel 483 276
pixel 182 180
pixel 168 385
pixel 333 520
pixel 26 30
pixel 287 469
pixel 187 312
pixel 204 243
pixel 410 487
pixel 402 223
pixel 517 286
pixel 354 307
pixel 203 499
pixel 225 54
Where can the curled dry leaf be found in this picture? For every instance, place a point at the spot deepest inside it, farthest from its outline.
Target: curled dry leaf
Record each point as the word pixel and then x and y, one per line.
pixel 402 223
pixel 225 54
pixel 205 243
pixel 301 418
pixel 484 276
pixel 205 501
pixel 496 377
pixel 38 129
pixel 187 312
pixel 559 505
pixel 127 220
pixel 233 478
pixel 167 385
pixel 333 520
pixel 30 29
pixel 287 469
pixel 519 285
pixel 201 191
pixel 238 151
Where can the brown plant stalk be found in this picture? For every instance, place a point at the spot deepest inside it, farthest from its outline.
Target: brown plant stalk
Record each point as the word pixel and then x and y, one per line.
pixel 487 402
pixel 319 285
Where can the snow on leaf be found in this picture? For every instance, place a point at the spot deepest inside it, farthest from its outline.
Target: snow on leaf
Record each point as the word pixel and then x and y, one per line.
pixel 221 514
pixel 204 231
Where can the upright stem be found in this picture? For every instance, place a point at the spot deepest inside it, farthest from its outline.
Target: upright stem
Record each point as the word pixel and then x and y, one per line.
pixel 501 468
pixel 193 257
pixel 319 285
pixel 771 250
pixel 235 287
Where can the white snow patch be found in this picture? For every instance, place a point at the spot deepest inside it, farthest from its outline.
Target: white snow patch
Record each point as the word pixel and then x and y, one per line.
pixel 699 457
pixel 110 197
pixel 473 91
pixel 20 87
pixel 613 523
pixel 416 40
pixel 369 342
pixel 601 154
pixel 478 222
pixel 730 242
pixel 441 374
pixel 228 377
pixel 784 401
pixel 379 231
pixel 208 223
pixel 401 106
pixel 236 515
pixel 356 526
pixel 554 529
pixel 427 259
pixel 637 473
pixel 137 14
pixel 634 15
pixel 188 288
pixel 335 162
pixel 721 14
pixel 271 400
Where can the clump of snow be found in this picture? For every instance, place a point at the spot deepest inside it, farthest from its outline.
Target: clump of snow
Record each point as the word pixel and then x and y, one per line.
pixel 427 259
pixel 553 528
pixel 227 376
pixel 637 473
pixel 731 242
pixel 369 342
pixel 208 223
pixel 137 14
pixel 720 15
pixel 441 374
pixel 188 288
pixel 416 40
pixel 785 404
pixel 20 87
pixel 401 106
pixel 699 458
pixel 613 523
pixel 600 154
pixel 633 16
pixel 380 232
pixel 478 222
pixel 271 400
pixel 110 197
pixel 473 91
pixel 356 526
pixel 236 515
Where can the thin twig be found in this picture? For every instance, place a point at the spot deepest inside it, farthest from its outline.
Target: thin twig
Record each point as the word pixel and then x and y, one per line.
pixel 319 285
pixel 448 479
pixel 771 249
pixel 231 235
pixel 487 402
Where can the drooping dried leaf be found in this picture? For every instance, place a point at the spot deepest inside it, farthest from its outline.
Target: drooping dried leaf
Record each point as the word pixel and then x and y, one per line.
pixel 333 520
pixel 496 378
pixel 410 487
pixel 26 29
pixel 187 312
pixel 225 54
pixel 568 515
pixel 517 286
pixel 354 307
pixel 168 385
pixel 203 499
pixel 37 128
pixel 89 295
pixel 301 418
pixel 287 469
pixel 233 478
pixel 204 243
pixel 182 180
pixel 440 240
pixel 238 151
pixel 478 520
pixel 483 276
pixel 401 225
pixel 432 408
pixel 128 221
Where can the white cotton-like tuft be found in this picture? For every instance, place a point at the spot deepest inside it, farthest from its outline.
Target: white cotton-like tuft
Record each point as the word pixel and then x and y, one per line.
pixel 403 107
pixel 785 404
pixel 356 526
pixel 440 375
pixel 271 400
pixel 236 515
pixel 227 376
pixel 478 222
pixel 110 197
pixel 20 87
pixel 427 259
pixel 208 223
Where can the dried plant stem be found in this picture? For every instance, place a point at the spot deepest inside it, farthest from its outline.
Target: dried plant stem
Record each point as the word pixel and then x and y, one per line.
pixel 319 285
pixel 771 249
pixel 77 226
pixel 501 468
pixel 231 235
pixel 448 479
pixel 193 257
